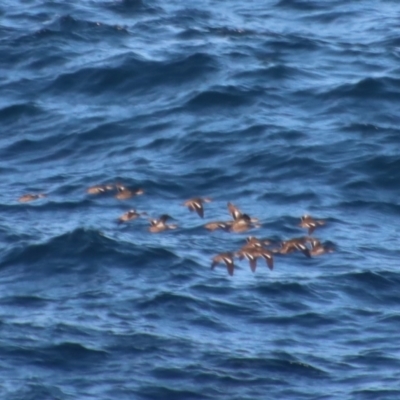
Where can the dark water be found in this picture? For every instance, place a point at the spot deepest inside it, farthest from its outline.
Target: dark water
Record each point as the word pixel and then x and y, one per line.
pixel 282 107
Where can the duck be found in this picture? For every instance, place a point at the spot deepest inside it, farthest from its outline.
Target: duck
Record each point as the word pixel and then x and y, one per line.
pixel 252 253
pixel 214 225
pixel 296 244
pixel 241 222
pixel 124 193
pixel 317 248
pixel 227 258
pixel 100 189
pixel 130 215
pixel 238 215
pixel 252 241
pixel 159 225
pixel 240 225
pixel 234 211
pixel 310 223
pixel 30 197
pixel 196 204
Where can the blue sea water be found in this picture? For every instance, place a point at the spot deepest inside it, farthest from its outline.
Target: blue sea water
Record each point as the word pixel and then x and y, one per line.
pixel 282 107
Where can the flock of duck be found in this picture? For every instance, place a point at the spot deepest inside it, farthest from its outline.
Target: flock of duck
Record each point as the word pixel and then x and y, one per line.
pixel 253 249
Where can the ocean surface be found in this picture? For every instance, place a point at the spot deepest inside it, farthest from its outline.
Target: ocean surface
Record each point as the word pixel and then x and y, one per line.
pixel 284 108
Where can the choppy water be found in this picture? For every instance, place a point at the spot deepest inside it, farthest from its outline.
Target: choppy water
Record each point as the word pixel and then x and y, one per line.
pixel 282 107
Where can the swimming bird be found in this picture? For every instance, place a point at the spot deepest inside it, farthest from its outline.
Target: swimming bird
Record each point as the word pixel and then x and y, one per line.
pixel 317 248
pixel 99 189
pixel 252 253
pixel 124 193
pixel 159 225
pixel 129 215
pixel 196 204
pixel 30 197
pixel 310 223
pixel 227 258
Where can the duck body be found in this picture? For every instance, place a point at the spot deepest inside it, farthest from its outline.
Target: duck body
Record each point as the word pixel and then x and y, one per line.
pixel 159 225
pixel 240 225
pixel 214 225
pixel 124 193
pixel 253 241
pixel 241 222
pixel 130 215
pixel 196 204
pixel 252 253
pixel 296 244
pixel 30 197
pixel 100 189
pixel 317 248
pixel 237 215
pixel 310 223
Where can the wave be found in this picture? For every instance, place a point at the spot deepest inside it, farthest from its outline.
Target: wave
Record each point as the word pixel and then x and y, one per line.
pixel 129 73
pixel 383 280
pixel 12 112
pixel 288 289
pixel 84 245
pixel 33 389
pixel 380 206
pixel 173 392
pixel 60 355
pixel 366 89
pixel 301 5
pixel 25 301
pixel 224 97
pixel 375 394
pixel 281 363
pixel 131 7
pixel 171 302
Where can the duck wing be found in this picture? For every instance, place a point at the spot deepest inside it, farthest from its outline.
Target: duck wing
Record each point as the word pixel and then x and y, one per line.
pixel 234 211
pixel 269 259
pixel 198 207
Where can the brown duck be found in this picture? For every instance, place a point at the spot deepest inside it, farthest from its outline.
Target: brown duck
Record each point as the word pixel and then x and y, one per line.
pixel 227 258
pixel 100 189
pixel 124 193
pixel 255 242
pixel 317 248
pixel 130 215
pixel 237 214
pixel 159 225
pixel 241 222
pixel 224 225
pixel 196 204
pixel 296 244
pixel 310 223
pixel 252 253
pixel 30 197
